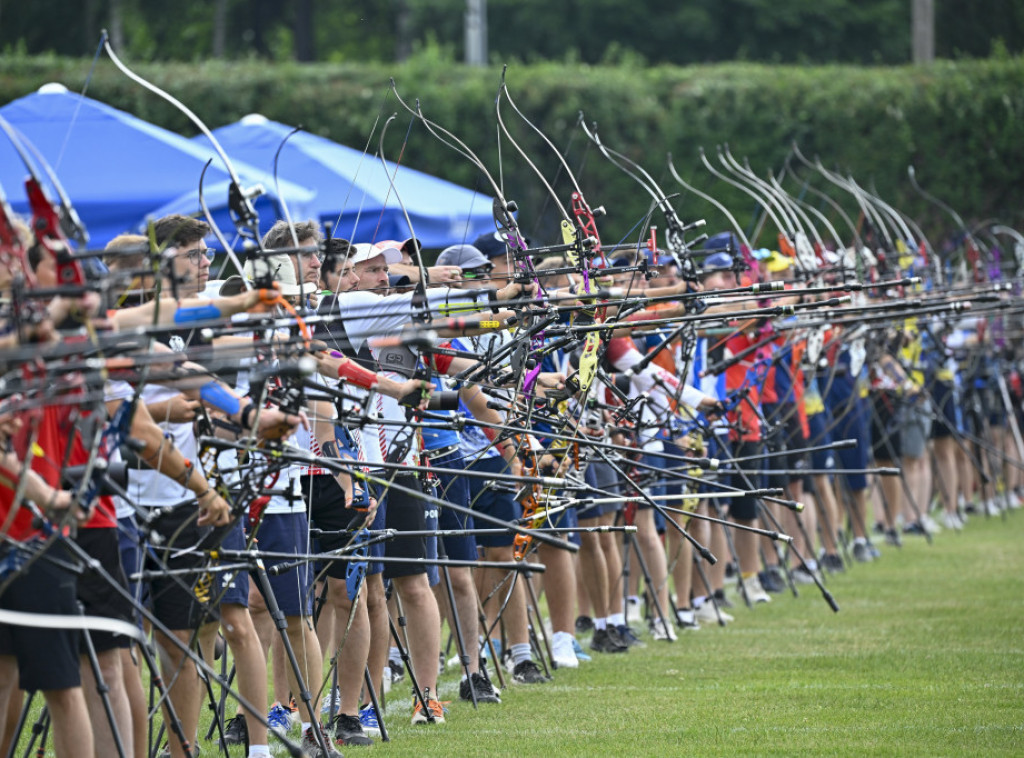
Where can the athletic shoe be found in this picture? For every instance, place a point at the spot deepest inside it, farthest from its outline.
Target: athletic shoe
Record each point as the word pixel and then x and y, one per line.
pixel 706 613
pixel 349 731
pixel 952 521
pixel 771 580
pixel 485 692
pixel 311 747
pixel 396 670
pixel 561 651
pixel 892 537
pixel 625 635
pixel 368 720
pixel 662 631
pixel 1015 501
pixel 279 719
pixel 528 672
pixel 832 563
pixel 584 624
pixel 861 553
pixel 236 731
pixel 929 524
pixel 874 552
pixel 992 508
pixel 434 707
pixel 331 702
pixel 914 528
pixel 581 655
pixel 686 619
pixel 722 600
pixel 754 592
pixel 802 575
pixel 602 642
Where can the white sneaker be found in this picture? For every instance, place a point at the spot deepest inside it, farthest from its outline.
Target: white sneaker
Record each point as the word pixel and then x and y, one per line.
pixel 331 702
pixel 632 612
pixel 686 619
pixel 929 525
pixel 662 632
pixel 992 508
pixel 706 613
pixel 1015 501
pixel 952 521
pixel 753 590
pixel 562 652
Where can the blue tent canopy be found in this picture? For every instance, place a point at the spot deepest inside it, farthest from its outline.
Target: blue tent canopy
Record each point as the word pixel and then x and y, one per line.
pixel 354 185
pixel 118 169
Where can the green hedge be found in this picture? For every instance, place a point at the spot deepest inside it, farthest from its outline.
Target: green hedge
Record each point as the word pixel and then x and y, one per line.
pixel 961 124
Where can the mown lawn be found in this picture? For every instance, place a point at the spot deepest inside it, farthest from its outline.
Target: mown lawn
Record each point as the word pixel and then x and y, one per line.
pixel 925 657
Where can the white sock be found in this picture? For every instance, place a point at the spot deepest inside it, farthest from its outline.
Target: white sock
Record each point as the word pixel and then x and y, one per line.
pixel 860 541
pixel 617 619
pixel 600 624
pixel 634 599
pixel 259 751
pixel 812 565
pixel 698 601
pixel 520 652
pixel 306 725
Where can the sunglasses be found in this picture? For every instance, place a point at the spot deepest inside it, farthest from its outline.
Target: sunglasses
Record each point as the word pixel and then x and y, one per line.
pixel 477 273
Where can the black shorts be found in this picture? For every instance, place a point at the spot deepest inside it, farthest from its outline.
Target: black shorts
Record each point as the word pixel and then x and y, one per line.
pixel 328 513
pixel 47 658
pixel 786 437
pixel 406 513
pixel 95 592
pixel 744 507
pixel 172 599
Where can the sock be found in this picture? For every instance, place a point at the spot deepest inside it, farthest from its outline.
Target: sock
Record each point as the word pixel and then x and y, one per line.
pixel 259 751
pixel 600 624
pixel 393 656
pixel 748 574
pixel 634 599
pixel 699 601
pixel 812 565
pixel 306 725
pixel 860 541
pixel 617 619
pixel 520 652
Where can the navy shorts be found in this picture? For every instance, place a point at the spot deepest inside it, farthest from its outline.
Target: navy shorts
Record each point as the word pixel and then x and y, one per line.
pixel 744 507
pixel 455 489
pixel 499 503
pixel 97 596
pixel 129 542
pixel 821 435
pixel 233 586
pixel 327 512
pixel 949 420
pixel 287 533
pixel 853 425
pixel 600 476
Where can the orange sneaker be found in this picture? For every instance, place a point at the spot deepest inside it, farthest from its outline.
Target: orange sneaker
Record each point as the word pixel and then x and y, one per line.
pixel 435 708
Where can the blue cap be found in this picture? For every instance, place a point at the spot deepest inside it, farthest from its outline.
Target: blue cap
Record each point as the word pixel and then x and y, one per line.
pixel 717 262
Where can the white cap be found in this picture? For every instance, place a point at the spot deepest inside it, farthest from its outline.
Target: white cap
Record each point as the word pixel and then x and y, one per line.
pixel 281 270
pixel 364 251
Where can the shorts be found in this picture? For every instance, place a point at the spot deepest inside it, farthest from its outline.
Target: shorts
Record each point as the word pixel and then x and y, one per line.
pixel 600 476
pixel 885 432
pixel 132 558
pixel 915 423
pixel 232 587
pixel 407 512
pixel 744 507
pixel 821 435
pixel 949 421
pixel 787 435
pixel 853 425
pixel 172 598
pixel 47 658
pixel 98 598
pixel 380 494
pixel 498 503
pixel 287 533
pixel 455 489
pixel 328 513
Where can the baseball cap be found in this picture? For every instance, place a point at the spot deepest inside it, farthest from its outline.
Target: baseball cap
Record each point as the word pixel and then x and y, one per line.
pixel 717 262
pixel 280 269
pixel 399 280
pixel 721 241
pixel 777 262
pixel 364 251
pixel 463 256
pixel 492 244
pixel 412 246
pixel 760 253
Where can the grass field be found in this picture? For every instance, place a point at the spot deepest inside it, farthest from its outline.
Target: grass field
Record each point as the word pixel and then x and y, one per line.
pixel 925 657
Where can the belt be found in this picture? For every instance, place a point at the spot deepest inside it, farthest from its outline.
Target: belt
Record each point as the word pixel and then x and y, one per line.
pixel 440 452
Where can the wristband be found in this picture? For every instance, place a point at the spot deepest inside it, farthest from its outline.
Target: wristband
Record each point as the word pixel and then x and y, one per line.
pixel 205 492
pixel 246 417
pixel 216 394
pixel 355 374
pixel 196 313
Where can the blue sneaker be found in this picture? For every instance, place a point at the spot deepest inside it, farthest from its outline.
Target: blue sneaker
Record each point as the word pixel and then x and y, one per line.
pixel 581 655
pixel 279 719
pixel 368 720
